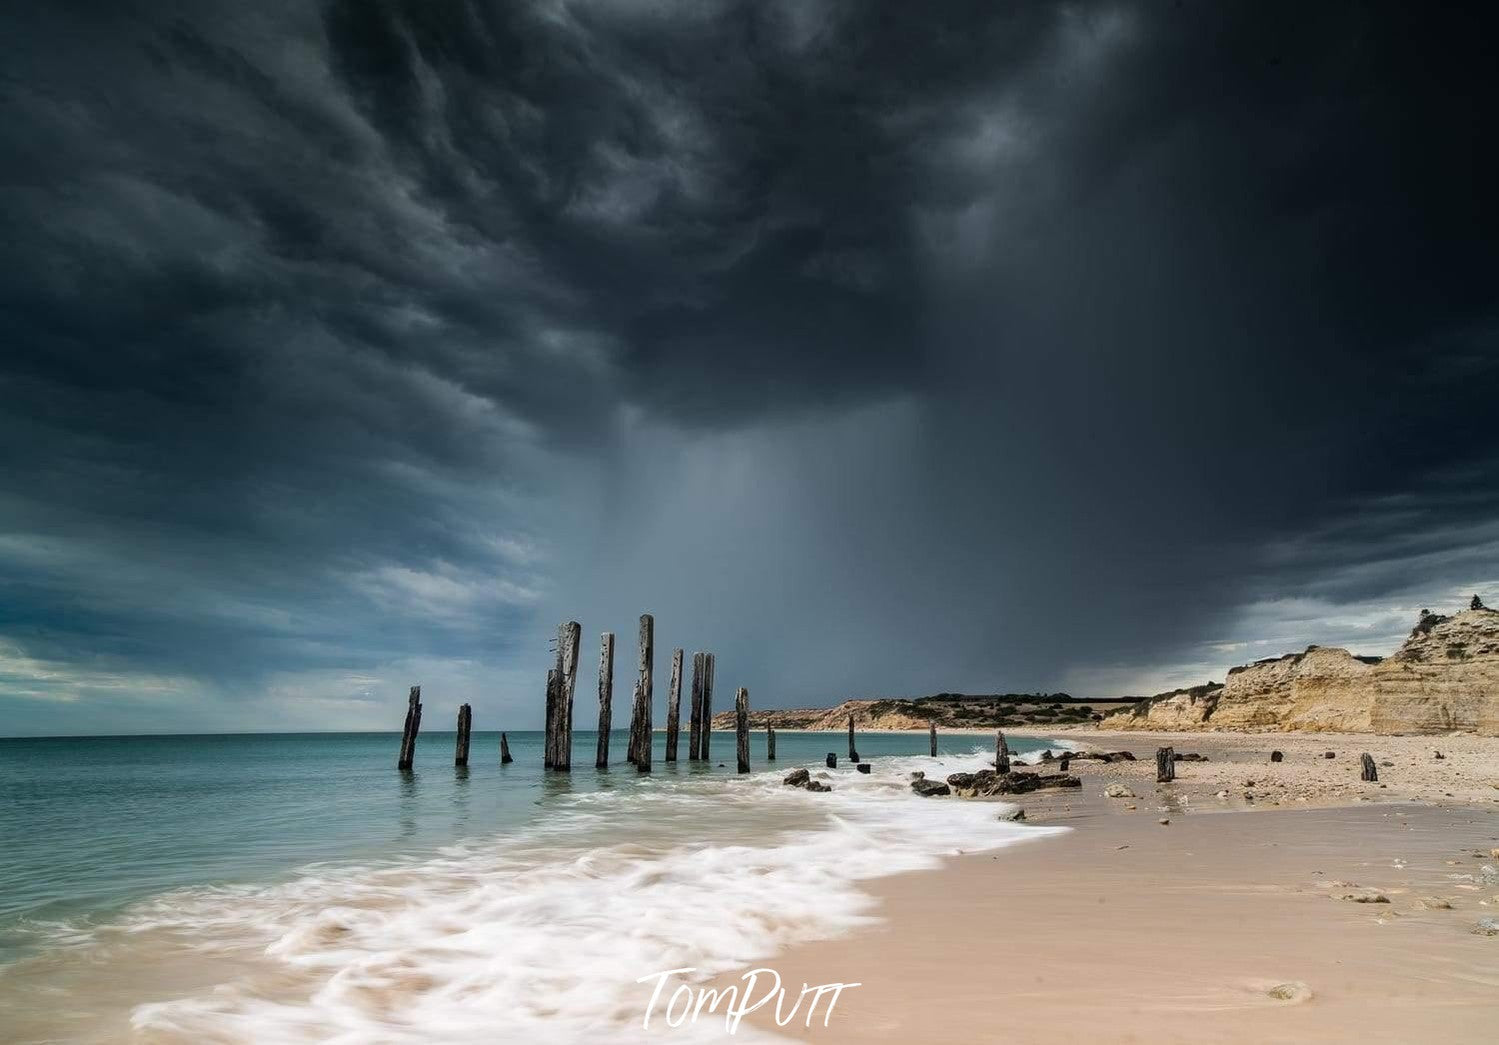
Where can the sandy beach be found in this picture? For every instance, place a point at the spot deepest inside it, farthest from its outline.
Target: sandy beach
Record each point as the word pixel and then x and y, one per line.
pixel 1357 901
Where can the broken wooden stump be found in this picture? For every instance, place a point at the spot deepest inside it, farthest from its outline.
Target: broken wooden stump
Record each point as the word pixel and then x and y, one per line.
pixel 413 726
pixel 606 698
pixel 1165 765
pixel 674 706
pixel 770 743
pixel 932 737
pixel 1064 762
pixel 695 722
pixel 505 758
pixel 1369 772
pixel 863 767
pixel 832 760
pixel 853 752
pixel 1001 752
pixel 465 724
pixel 741 729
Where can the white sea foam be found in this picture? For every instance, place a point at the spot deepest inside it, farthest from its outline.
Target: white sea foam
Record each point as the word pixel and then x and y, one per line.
pixel 544 936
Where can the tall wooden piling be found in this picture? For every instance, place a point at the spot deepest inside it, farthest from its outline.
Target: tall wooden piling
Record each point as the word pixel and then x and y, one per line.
pixel 1165 765
pixel 568 639
pixel 505 758
pixel 741 728
pixel 931 728
pixel 413 726
pixel 707 733
pixel 1001 752
pixel 770 743
pixel 465 724
pixel 606 697
pixel 674 706
pixel 641 720
pixel 853 753
pixel 1368 771
pixel 695 722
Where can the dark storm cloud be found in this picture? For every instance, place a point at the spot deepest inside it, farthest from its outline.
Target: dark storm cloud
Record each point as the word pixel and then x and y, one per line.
pixel 892 346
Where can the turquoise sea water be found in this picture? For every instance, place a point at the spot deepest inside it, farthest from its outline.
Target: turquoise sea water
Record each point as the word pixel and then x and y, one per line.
pixel 150 855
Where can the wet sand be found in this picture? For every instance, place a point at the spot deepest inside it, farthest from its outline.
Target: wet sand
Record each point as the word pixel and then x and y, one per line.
pixel 1129 930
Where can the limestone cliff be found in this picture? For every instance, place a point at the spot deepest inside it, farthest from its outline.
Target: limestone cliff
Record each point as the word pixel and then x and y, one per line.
pixel 1444 677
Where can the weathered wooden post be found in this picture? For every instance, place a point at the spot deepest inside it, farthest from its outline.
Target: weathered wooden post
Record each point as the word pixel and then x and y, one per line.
pixel 465 723
pixel 770 743
pixel 413 726
pixel 549 740
pixel 741 728
pixel 832 760
pixel 569 638
pixel 1064 763
pixel 695 724
pixel 643 691
pixel 1165 765
pixel 1001 752
pixel 606 697
pixel 932 736
pixel 708 665
pixel 1369 772
pixel 853 752
pixel 505 758
pixel 674 706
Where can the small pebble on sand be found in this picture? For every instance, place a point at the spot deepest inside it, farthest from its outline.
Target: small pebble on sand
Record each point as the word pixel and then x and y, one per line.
pixel 1293 990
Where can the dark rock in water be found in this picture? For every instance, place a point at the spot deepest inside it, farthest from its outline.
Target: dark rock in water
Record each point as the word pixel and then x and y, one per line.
pixel 797 778
pixel 963 779
pixel 1047 756
pixel 1276 756
pixel 817 785
pixel 832 760
pixel 863 767
pixel 918 775
pixel 1012 815
pixel 930 788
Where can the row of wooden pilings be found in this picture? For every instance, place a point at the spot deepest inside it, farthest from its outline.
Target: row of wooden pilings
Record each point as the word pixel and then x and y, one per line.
pixel 562 678
pixel 557 748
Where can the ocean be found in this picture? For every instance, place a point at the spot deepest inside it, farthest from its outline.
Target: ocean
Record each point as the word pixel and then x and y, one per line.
pixel 296 887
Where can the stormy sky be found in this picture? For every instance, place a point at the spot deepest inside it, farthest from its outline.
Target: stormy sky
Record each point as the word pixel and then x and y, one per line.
pixel 882 348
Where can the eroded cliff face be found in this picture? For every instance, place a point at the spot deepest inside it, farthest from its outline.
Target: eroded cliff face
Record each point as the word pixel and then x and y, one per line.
pixel 1445 677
